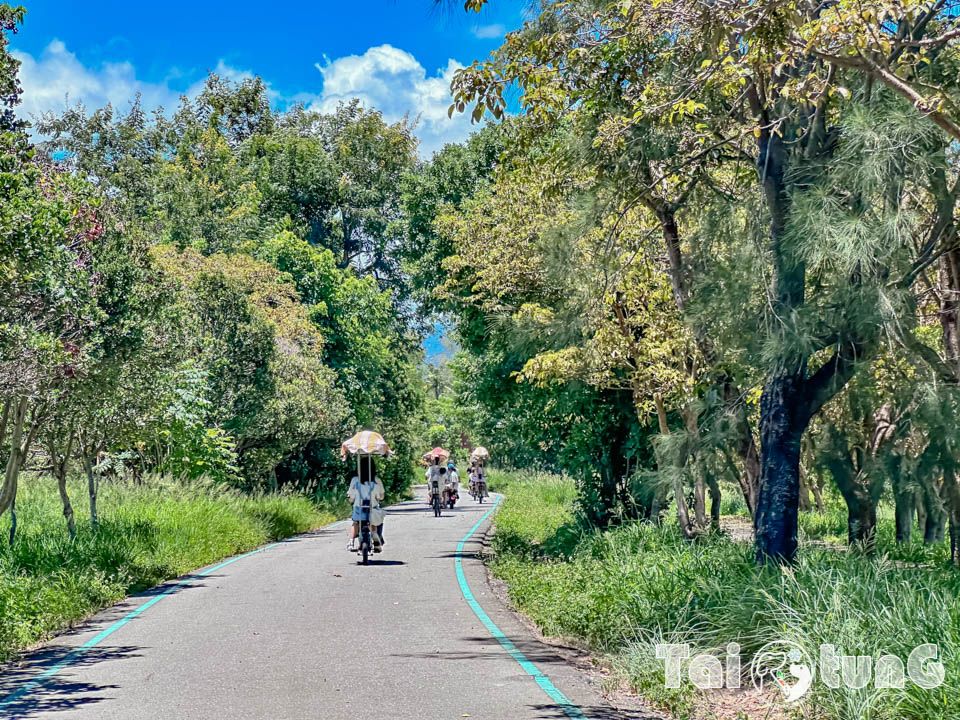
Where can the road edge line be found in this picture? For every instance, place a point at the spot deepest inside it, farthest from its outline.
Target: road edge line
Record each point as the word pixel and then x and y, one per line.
pixel 569 709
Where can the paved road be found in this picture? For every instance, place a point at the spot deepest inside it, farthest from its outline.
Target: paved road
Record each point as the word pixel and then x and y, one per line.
pixel 300 630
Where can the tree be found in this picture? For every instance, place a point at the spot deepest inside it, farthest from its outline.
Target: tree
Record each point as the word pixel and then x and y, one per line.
pixel 719 76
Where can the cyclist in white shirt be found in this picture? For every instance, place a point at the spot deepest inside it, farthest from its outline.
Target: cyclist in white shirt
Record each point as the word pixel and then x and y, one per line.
pixel 365 487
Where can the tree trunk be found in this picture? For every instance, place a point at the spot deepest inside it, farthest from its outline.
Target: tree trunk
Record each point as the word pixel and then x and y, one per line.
pixel 683 514
pixel 775 522
pixel 750 481
pixel 13 522
pixel 862 523
pixel 60 463
pixel 67 506
pixel 715 499
pixel 952 496
pixel 696 464
pixel 699 497
pixel 804 492
pixel 921 505
pixel 949 272
pixel 904 497
pixel 818 497
pixel 783 404
pixel 935 518
pixel 93 490
pixel 8 493
pixel 861 505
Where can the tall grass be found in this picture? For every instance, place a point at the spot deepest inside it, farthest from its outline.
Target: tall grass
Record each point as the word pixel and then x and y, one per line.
pixel 148 533
pixel 623 590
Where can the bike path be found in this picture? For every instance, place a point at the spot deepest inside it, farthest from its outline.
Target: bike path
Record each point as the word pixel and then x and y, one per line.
pixel 300 630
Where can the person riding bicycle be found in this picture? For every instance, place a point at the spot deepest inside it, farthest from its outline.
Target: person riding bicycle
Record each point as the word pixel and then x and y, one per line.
pixel 472 477
pixel 452 486
pixel 476 476
pixel 365 487
pixel 435 472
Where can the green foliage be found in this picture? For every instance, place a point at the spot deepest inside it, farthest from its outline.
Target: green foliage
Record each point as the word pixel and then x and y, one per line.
pixel 452 177
pixel 277 275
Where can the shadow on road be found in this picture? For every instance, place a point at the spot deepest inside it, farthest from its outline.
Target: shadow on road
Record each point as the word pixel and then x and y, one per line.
pixel 56 692
pixel 489 649
pixel 595 712
pixel 418 508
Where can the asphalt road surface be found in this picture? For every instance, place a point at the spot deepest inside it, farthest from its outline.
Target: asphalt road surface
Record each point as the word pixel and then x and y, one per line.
pixel 300 630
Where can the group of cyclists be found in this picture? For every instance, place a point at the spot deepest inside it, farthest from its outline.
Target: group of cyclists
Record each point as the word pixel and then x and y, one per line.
pixel 444 480
pixel 366 492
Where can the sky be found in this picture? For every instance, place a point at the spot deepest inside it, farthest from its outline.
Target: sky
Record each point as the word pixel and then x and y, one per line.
pixel 395 55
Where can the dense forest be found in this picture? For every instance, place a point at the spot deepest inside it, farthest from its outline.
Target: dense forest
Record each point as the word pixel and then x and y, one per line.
pixel 218 290
pixel 693 251
pixel 719 250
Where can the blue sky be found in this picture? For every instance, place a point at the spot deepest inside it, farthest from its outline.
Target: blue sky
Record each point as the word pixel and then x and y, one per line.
pixel 397 55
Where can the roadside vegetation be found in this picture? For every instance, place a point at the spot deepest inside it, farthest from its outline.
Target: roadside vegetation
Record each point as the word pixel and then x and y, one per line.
pixel 149 532
pixel 622 590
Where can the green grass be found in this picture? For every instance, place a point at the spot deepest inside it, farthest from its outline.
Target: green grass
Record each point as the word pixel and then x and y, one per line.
pixel 623 590
pixel 148 534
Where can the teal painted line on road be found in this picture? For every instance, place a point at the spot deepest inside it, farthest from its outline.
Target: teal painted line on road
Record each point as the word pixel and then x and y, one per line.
pixel 569 709
pixel 79 652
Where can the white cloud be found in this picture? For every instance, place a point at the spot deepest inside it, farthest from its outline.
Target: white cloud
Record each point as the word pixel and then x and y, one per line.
pixel 486 32
pixel 384 77
pixel 394 82
pixel 57 79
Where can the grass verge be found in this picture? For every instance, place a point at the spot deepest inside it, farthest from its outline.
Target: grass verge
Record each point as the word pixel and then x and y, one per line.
pixel 622 591
pixel 148 533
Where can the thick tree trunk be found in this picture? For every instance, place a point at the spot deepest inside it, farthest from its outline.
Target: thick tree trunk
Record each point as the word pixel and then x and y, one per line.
pixel 93 491
pixel 783 405
pixel 775 521
pixel 862 522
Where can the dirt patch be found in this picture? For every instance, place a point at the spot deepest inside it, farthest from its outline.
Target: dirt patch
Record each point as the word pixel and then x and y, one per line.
pixel 739 528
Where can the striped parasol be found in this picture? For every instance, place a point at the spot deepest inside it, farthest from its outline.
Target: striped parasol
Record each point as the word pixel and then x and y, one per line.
pixel 429 456
pixel 365 442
